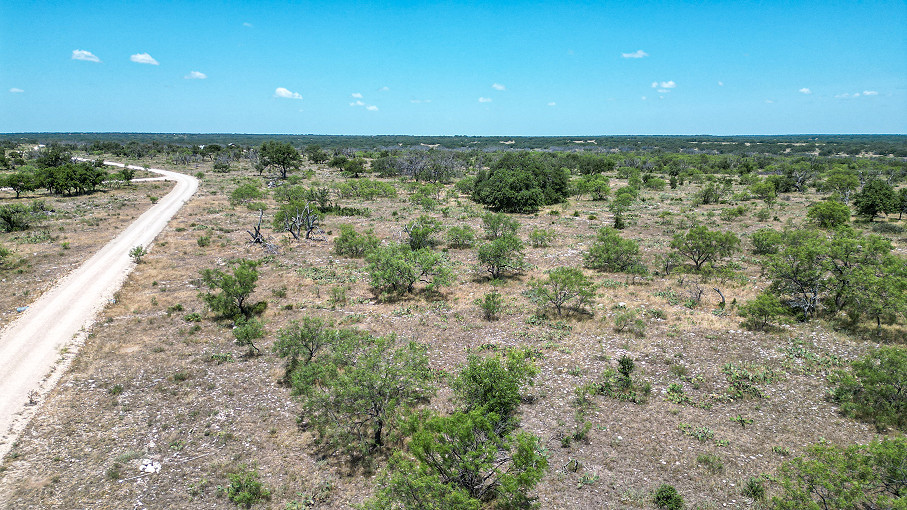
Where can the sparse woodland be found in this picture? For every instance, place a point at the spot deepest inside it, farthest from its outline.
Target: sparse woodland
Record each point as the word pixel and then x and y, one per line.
pixel 648 324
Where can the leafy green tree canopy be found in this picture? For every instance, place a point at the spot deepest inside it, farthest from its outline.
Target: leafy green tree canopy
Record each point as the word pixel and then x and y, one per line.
pixel 520 182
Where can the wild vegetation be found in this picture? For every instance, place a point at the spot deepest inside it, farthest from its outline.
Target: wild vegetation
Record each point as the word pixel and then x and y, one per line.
pixel 396 327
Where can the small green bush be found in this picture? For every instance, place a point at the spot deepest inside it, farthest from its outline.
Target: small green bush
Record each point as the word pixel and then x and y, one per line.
pixel 667 498
pixel 753 489
pixel 498 225
pixel 502 255
pixel 245 489
pixel 137 253
pixel 491 305
pixel 766 241
pixel 564 288
pixel 829 214
pixel 461 237
pixel 762 311
pixel 874 388
pixel 540 237
pixel 610 252
pixel 628 320
pixel 495 384
pixel 353 244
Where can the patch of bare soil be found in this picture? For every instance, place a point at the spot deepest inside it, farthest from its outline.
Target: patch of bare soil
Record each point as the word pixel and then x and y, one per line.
pixel 152 385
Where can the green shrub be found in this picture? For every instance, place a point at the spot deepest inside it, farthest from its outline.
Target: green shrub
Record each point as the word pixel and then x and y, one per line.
pixel 732 213
pixel 353 244
pixel 246 332
pixel 14 218
pixel 461 237
pixel 495 384
pixel 491 305
pixel 499 225
pixel 137 253
pixel 358 391
pixel 710 194
pixel 246 193
pixel 520 182
pixel 502 255
pixel 874 388
pixel 245 489
pixel 753 489
pixel 421 232
pixel 540 237
pixel 203 241
pixel 232 290
pixel 610 252
pixel 762 311
pixel 703 246
pixel 365 189
pixel 654 183
pixel 831 477
pixel 465 185
pixel 460 461
pixel 875 198
pixel 628 320
pixel 829 214
pixel 396 269
pixel 667 498
pixel 766 241
pixel 564 287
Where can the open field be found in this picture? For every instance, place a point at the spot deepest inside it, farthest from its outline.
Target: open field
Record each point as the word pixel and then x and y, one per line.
pixel 152 382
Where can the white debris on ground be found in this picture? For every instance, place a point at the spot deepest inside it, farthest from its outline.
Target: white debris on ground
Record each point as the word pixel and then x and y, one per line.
pixel 150 466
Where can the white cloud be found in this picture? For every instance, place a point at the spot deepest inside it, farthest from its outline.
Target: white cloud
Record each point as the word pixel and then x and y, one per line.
pixel 635 54
pixel 805 90
pixel 769 101
pixel 384 89
pixel 418 101
pixel 357 95
pixel 143 58
pixel 371 108
pixel 847 96
pixel 498 86
pixel 552 103
pixel 484 99
pixel 663 91
pixel 247 24
pixel 14 90
pixel 870 93
pixel 84 55
pixel 643 98
pixel 357 103
pixel 284 93
pixel 668 84
pixel 195 75
pixel 721 84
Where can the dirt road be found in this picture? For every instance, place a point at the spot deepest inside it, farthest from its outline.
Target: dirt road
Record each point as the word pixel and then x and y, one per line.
pixel 32 346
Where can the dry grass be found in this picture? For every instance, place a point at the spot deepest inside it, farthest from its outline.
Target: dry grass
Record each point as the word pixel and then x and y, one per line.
pixel 147 385
pixel 71 231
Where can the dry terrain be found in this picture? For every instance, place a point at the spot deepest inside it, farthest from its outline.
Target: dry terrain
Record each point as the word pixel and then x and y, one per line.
pixel 150 385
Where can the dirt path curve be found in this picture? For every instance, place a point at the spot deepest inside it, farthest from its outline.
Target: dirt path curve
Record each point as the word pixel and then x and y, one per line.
pixel 31 347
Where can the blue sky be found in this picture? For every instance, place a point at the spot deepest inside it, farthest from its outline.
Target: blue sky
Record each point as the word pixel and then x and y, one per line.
pixel 446 68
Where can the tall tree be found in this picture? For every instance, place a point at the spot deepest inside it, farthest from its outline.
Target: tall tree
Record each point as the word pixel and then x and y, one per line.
pixel 281 156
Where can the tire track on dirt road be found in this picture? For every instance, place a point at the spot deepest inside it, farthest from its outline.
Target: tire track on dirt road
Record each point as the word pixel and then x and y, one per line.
pixel 31 347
